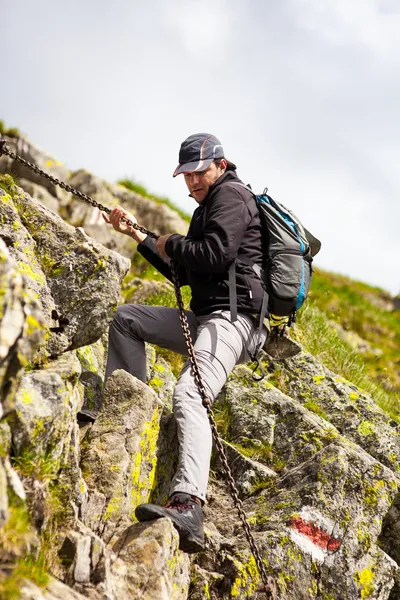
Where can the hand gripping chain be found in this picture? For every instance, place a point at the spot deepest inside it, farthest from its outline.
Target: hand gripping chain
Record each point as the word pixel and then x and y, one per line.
pixel 269 585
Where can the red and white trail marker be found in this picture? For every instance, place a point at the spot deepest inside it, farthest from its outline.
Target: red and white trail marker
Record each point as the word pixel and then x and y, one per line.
pixel 315 533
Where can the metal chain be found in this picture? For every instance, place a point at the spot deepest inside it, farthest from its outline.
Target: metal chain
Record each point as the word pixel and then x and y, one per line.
pixel 269 586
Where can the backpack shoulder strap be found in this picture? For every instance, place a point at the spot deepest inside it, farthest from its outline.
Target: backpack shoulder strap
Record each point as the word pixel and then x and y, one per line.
pixel 232 291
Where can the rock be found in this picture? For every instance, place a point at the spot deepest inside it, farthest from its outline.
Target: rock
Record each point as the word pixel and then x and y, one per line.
pixel 162 381
pixel 40 193
pixel 250 476
pixel 270 427
pixel 137 291
pixel 93 360
pixel 21 327
pixel 123 440
pixel 54 590
pixel 46 403
pixel 352 411
pixel 76 279
pixel 326 516
pixel 3 495
pixel 27 150
pixel 355 341
pixel 154 216
pixel 149 565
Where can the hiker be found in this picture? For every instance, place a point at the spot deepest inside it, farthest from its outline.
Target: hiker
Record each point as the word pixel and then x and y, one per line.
pixel 225 230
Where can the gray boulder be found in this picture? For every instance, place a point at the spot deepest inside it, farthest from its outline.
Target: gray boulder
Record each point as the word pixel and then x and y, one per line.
pixel 119 456
pixel 77 280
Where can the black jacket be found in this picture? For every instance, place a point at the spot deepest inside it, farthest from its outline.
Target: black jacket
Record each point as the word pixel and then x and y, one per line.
pixel 225 227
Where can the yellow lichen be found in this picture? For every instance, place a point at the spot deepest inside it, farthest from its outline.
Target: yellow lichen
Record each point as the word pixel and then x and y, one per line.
pixel 142 478
pixel 364 579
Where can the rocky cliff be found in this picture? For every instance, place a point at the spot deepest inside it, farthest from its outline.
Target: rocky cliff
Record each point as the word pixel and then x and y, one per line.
pixel 315 458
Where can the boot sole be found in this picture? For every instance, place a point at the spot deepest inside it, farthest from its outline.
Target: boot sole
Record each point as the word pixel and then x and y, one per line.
pixel 188 542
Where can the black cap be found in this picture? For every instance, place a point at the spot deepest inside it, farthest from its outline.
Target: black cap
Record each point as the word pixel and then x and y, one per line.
pixel 197 153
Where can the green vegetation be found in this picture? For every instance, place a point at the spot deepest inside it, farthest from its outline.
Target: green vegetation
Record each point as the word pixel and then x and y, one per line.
pixel 7 183
pixel 175 361
pixel 167 298
pixel 138 188
pixel 143 269
pixel 361 309
pixel 17 537
pixel 41 467
pixel 315 408
pixel 9 131
pixel 28 568
pixel 262 453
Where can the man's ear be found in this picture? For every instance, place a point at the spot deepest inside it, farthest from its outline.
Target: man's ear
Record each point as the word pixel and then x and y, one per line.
pixel 223 164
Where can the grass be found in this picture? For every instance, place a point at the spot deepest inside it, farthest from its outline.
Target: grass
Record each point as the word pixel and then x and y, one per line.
pixel 168 298
pixel 262 453
pixel 324 342
pixel 29 464
pixel 9 131
pixel 8 183
pixel 142 268
pixel 28 568
pixel 138 188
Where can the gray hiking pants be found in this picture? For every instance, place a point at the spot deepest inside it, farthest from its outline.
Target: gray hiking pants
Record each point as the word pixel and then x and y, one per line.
pixel 219 346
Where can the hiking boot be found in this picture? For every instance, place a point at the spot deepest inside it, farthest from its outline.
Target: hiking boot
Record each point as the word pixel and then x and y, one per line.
pixel 86 415
pixel 186 515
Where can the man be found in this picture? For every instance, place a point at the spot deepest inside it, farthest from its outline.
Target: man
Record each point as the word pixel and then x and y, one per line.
pixel 225 229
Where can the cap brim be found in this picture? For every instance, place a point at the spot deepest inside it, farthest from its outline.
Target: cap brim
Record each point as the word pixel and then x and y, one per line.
pixel 191 167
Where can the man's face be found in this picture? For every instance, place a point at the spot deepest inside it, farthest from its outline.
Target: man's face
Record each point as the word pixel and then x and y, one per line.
pixel 199 182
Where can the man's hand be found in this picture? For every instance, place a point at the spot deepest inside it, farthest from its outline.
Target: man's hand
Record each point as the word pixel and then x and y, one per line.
pixel 160 244
pixel 115 218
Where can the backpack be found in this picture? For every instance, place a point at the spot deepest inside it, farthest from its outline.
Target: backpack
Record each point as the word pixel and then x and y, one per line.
pixel 288 253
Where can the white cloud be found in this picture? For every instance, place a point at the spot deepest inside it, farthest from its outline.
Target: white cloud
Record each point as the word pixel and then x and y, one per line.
pixel 373 24
pixel 203 27
pixel 304 95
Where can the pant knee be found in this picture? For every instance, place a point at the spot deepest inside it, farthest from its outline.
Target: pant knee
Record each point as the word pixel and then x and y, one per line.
pixel 124 319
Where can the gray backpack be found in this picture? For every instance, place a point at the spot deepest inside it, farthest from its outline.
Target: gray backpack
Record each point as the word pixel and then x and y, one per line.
pixel 288 253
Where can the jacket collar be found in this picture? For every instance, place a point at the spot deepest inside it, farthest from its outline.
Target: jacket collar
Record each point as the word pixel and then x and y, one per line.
pixel 227 176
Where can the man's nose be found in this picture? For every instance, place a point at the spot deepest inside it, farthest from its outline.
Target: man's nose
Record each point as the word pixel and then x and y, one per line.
pixel 195 178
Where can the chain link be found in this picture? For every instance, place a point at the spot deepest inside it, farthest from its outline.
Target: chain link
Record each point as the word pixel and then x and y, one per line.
pixel 269 586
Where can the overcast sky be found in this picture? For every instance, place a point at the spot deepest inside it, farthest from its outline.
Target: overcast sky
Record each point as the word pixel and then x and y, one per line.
pixel 303 94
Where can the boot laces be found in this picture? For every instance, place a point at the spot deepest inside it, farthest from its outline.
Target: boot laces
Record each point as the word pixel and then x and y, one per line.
pixel 175 503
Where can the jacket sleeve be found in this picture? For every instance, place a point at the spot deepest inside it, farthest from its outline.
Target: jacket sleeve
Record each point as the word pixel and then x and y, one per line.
pixel 226 222
pixel 148 250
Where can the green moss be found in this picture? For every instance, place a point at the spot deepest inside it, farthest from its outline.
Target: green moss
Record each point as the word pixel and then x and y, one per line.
pixel 8 184
pixel 113 507
pixel 168 298
pixel 364 538
pixel 262 453
pixel 366 428
pixel 51 267
pixel 87 359
pixel 16 534
pixel 315 408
